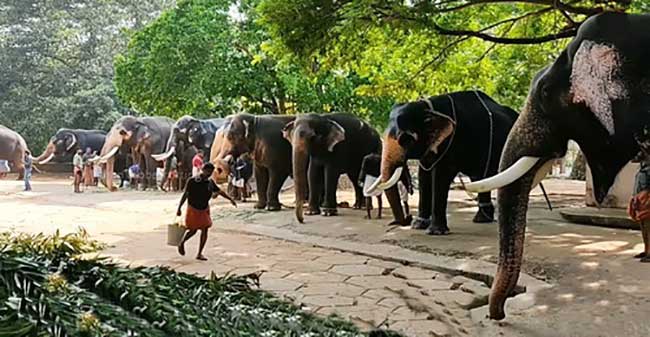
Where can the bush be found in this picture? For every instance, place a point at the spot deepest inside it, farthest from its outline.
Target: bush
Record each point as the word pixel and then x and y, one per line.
pixel 46 289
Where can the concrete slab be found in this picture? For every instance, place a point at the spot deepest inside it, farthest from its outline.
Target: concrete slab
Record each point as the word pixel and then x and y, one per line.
pixel 605 217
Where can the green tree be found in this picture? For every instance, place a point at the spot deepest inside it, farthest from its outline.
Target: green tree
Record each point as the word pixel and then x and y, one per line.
pixel 213 58
pixel 57 62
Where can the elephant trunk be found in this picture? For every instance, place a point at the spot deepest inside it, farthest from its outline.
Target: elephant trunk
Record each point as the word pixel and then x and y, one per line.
pixel 47 155
pixel 300 160
pixel 528 142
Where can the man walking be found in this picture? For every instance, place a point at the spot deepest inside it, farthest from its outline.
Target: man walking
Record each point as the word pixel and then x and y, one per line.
pixel 28 171
pixel 198 192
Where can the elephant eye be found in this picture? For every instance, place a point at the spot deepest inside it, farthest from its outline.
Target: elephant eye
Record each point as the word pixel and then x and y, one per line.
pixel 405 140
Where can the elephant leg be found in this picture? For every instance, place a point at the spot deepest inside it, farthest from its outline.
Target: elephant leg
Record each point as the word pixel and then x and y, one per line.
pixel 262 181
pixel 442 182
pixel 359 199
pixel 152 167
pixel 485 212
pixel 331 183
pixel 425 203
pixel 392 195
pixel 316 174
pixel 276 179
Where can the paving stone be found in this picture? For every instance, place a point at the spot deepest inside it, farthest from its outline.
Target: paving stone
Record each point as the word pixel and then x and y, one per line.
pixel 392 302
pixel 342 259
pixel 405 313
pixel 317 277
pixel 364 301
pixel 479 290
pixel 245 271
pixel 430 285
pixel 357 270
pixel 275 273
pixel 422 328
pixel 303 266
pixel 384 264
pixel 412 273
pixel 378 282
pixel 379 294
pixel 280 285
pixel 251 262
pixel 368 318
pixel 327 300
pixel 461 280
pixel 332 288
pixel 458 298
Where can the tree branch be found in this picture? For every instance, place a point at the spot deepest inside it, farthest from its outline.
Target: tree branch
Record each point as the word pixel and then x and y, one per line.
pixel 507 40
pixel 552 3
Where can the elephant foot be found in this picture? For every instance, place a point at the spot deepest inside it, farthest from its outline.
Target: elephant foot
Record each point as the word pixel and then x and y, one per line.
pixel 260 205
pixel 640 255
pixel 360 205
pixel 421 223
pixel 330 212
pixel 435 229
pixel 273 207
pixel 404 223
pixel 313 211
pixel 645 259
pixel 485 214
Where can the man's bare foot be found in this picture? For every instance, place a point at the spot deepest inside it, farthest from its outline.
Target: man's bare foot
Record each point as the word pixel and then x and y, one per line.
pixel 201 258
pixel 181 248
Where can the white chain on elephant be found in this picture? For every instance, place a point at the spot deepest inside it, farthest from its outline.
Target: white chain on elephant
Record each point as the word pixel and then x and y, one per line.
pixel 489 157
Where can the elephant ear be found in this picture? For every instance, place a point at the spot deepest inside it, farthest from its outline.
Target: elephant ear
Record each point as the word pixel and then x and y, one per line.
pixel 335 135
pixel 70 141
pixel 440 127
pixel 597 81
pixel 247 127
pixel 143 133
pixel 287 131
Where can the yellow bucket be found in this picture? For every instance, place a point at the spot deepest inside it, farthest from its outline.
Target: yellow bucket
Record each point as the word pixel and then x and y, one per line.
pixel 175 233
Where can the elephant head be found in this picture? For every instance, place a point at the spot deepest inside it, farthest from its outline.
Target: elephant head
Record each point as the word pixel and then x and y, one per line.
pixel 414 130
pixel 62 143
pixel 218 153
pixel 594 93
pixel 127 133
pixel 310 134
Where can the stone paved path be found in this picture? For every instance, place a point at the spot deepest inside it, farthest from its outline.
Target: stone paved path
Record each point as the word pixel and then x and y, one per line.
pixel 370 292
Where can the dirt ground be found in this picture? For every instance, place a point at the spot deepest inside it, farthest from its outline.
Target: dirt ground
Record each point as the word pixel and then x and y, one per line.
pixel 600 290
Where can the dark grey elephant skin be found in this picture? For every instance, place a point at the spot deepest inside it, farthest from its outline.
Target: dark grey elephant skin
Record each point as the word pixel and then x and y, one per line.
pixel 597 93
pixel 191 132
pixel 65 142
pixel 458 136
pixel 12 148
pixel 324 147
pixel 141 137
pixel 262 138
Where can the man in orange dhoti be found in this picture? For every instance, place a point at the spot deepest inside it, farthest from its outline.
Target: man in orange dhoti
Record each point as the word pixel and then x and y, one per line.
pixel 198 192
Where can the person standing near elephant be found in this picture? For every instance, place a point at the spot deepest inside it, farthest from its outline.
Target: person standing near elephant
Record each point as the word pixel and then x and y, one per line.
pixel 28 171
pixel 97 170
pixel 198 192
pixel 639 207
pixel 197 163
pixel 77 168
pixel 4 168
pixel 87 167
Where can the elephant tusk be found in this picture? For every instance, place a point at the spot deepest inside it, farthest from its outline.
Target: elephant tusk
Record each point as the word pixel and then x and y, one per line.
pixel 392 181
pixel 46 159
pixel 164 156
pixel 109 155
pixel 512 173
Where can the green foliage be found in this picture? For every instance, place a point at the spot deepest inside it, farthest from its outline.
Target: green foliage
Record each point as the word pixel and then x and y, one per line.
pixel 46 291
pixel 57 62
pixel 197 59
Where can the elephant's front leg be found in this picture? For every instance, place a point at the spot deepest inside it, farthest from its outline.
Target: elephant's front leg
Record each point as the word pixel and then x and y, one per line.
pixel 152 166
pixel 425 185
pixel 359 199
pixel 316 173
pixel 443 178
pixel 276 179
pixel 485 212
pixel 262 181
pixel 331 183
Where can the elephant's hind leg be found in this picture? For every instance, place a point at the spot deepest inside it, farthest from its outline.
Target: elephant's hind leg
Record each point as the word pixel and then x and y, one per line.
pixel 276 179
pixel 262 181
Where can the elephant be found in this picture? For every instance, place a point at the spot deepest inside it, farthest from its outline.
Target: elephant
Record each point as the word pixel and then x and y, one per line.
pixel 597 93
pixel 324 147
pixel 193 133
pixel 218 153
pixel 142 136
pixel 65 142
pixel 457 132
pixel 12 148
pixel 371 167
pixel 261 137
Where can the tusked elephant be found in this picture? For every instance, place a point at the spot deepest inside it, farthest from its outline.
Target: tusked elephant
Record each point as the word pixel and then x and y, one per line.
pixel 457 132
pixel 193 133
pixel 12 148
pixel 597 93
pixel 261 137
pixel 324 147
pixel 371 166
pixel 65 142
pixel 142 136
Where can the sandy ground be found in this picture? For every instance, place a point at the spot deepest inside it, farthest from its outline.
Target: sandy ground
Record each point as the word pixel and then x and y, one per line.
pixel 600 290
